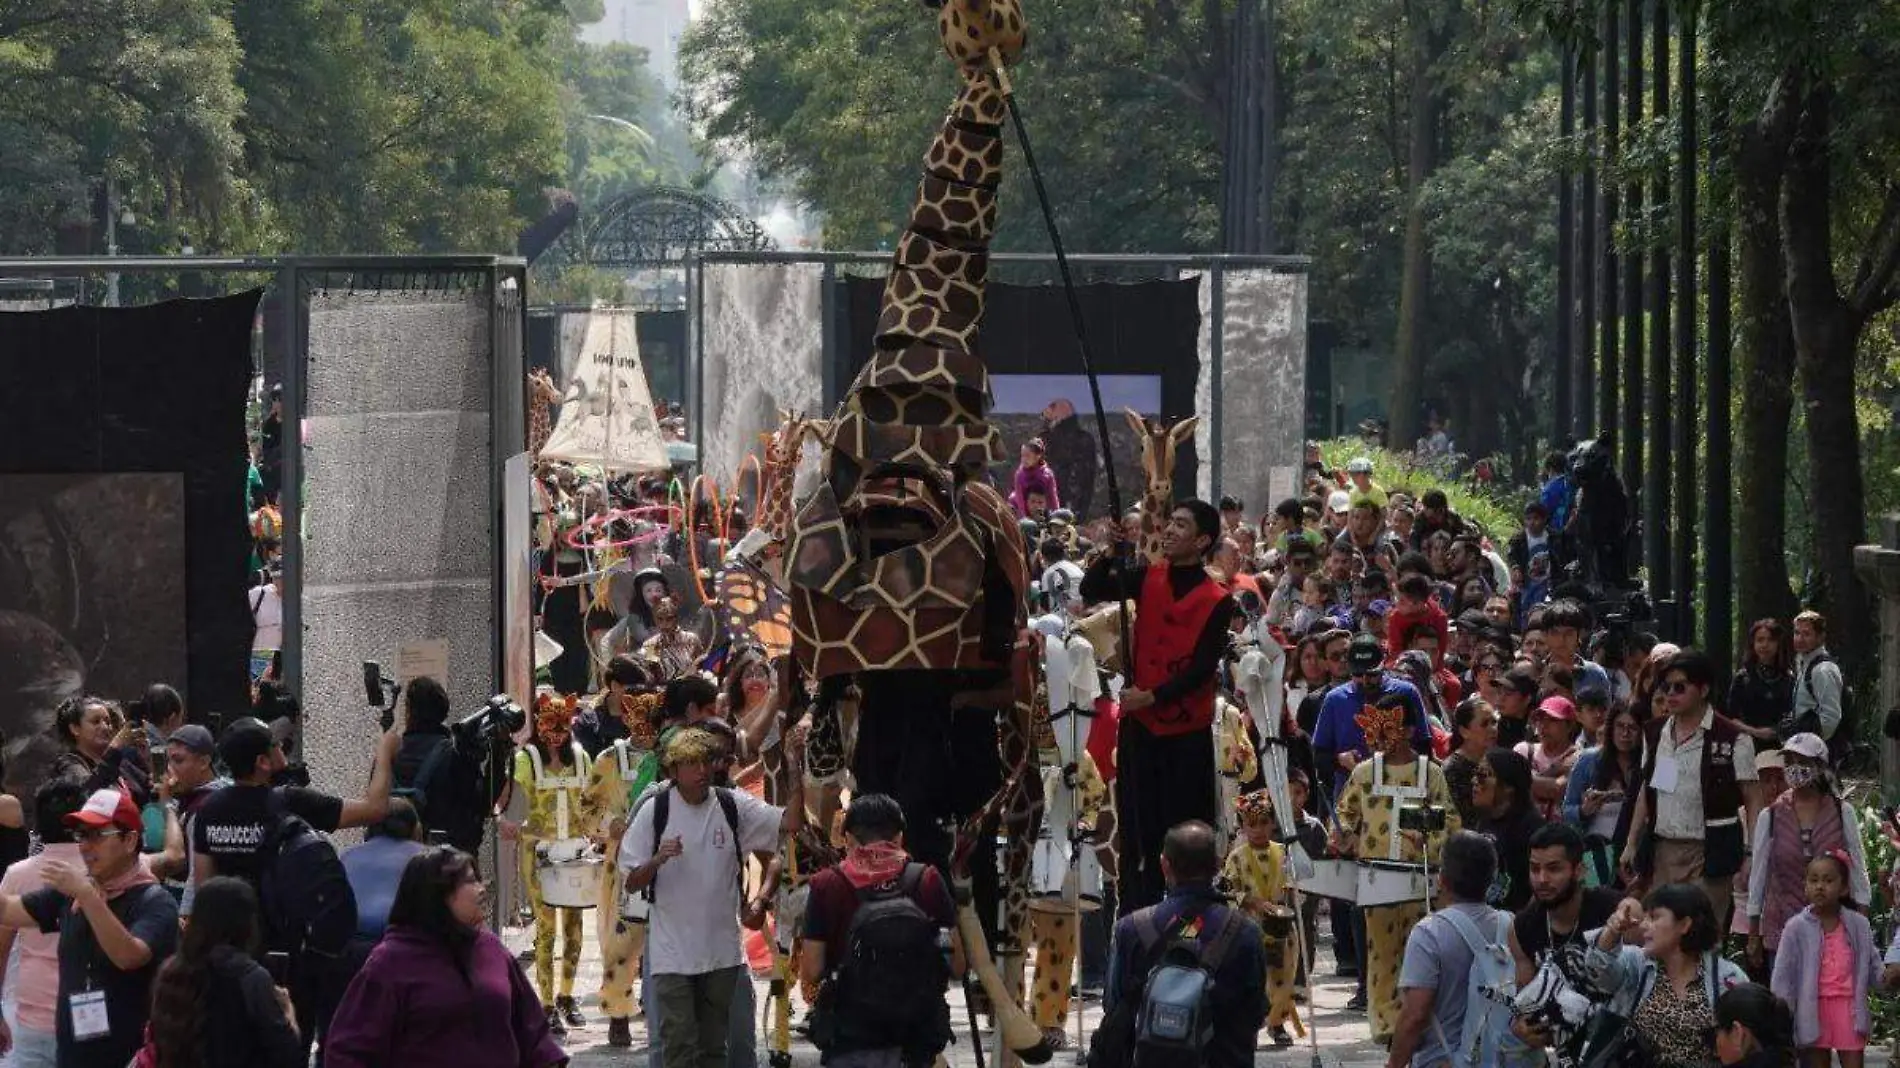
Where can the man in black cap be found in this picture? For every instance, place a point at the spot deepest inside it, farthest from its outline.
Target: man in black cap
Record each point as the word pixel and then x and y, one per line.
pixel 232 823
pixel 189 754
pixel 1165 748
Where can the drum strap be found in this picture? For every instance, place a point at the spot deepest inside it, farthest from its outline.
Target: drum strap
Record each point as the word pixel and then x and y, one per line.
pixel 1399 794
pixel 576 779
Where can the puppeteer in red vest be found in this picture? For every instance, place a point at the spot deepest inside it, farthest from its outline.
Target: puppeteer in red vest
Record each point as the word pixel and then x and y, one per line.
pixel 1165 746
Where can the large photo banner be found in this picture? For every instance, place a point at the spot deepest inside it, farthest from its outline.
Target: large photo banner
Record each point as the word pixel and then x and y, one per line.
pixel 607 416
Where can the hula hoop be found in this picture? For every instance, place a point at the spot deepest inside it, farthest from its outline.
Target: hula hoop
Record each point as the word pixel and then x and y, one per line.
pixel 690 535
pixel 574 538
pixel 758 481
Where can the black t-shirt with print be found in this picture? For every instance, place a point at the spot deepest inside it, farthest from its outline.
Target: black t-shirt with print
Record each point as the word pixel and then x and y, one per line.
pixel 151 916
pixel 1534 937
pixel 232 822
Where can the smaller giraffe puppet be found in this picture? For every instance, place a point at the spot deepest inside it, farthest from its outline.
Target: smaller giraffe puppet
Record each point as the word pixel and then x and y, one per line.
pixel 542 397
pixel 1158 444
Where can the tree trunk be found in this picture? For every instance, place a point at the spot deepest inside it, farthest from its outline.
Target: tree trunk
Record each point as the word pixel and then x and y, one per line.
pixel 1409 348
pixel 1767 366
pixel 1827 336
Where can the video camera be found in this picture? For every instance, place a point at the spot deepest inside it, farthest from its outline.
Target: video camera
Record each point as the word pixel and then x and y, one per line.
pixel 496 722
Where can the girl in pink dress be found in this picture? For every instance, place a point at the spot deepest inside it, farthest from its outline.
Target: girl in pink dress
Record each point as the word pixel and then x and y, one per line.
pixel 1828 967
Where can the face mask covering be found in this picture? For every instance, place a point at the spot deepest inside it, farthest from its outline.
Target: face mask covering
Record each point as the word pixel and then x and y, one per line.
pixel 1800 775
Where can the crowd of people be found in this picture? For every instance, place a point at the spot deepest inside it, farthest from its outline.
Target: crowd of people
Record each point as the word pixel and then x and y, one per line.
pixel 1580 818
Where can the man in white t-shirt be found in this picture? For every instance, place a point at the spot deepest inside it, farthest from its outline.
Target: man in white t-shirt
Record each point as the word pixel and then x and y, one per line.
pixel 694 959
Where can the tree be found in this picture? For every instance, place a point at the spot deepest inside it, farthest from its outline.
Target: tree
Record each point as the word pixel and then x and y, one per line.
pixel 140 89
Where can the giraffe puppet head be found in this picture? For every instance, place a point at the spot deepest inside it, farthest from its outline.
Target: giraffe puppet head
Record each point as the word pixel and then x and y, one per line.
pixel 1158 444
pixel 970 29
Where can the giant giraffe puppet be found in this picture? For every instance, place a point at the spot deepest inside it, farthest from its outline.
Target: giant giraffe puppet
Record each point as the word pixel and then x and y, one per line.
pixel 906 568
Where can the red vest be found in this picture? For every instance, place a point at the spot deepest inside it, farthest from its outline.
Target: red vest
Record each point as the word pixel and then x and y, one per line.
pixel 1166 631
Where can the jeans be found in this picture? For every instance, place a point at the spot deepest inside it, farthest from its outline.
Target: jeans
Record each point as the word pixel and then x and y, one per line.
pixel 695 1016
pixel 741 1037
pixel 33 1049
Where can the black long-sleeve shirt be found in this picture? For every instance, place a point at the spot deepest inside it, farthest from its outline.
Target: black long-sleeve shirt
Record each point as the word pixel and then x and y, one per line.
pixel 1098 584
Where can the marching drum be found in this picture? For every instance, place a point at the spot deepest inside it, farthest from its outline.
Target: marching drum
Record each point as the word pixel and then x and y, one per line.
pixel 1334 877
pixel 1276 929
pixel 1389 882
pixel 568 873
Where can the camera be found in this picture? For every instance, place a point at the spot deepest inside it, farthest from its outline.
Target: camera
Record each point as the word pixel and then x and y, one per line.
pixel 489 727
pixel 1423 820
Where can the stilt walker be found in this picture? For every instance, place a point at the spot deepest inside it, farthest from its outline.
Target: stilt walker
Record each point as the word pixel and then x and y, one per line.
pixel 1067 873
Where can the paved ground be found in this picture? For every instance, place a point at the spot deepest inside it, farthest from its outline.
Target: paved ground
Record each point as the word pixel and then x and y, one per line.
pixel 1344 1041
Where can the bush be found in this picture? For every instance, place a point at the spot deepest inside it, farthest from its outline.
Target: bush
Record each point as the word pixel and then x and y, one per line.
pixel 1496 511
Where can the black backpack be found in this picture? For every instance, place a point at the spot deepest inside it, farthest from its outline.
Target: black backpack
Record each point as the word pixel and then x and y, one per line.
pixel 303 888
pixel 887 986
pixel 1169 1021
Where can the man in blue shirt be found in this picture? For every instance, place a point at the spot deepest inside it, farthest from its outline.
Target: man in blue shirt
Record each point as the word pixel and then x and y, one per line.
pixel 1197 914
pixel 1338 743
pixel 375 867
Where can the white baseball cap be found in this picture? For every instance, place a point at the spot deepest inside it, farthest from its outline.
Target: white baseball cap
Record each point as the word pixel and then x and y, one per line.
pixel 1359 465
pixel 1807 744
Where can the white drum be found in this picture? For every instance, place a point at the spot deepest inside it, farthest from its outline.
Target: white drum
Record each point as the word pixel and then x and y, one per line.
pixel 1386 882
pixel 1049 875
pixel 568 873
pixel 1333 877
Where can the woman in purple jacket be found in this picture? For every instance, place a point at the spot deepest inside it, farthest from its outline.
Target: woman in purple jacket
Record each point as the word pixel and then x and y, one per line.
pixel 440 989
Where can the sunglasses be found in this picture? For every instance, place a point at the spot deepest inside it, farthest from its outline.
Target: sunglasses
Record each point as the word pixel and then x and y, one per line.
pixel 1492 666
pixel 1673 688
pixel 100 834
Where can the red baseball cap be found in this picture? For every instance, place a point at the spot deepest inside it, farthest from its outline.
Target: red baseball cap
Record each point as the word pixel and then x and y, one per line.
pixel 1557 706
pixel 108 808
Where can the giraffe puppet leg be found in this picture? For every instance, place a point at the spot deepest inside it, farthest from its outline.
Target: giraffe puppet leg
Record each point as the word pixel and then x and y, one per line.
pixel 1054 936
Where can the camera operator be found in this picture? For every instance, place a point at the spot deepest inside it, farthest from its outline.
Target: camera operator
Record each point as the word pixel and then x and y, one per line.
pixel 439 779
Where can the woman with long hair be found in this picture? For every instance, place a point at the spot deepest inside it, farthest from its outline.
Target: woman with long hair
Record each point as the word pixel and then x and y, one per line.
pixel 1673 981
pixel 1753 1029
pixel 84 728
pixel 440 989
pixel 1474 730
pixel 1808 820
pixel 751 700
pixel 1309 671
pixel 1762 693
pixel 213 1006
pixel 1507 814
pixel 1601 784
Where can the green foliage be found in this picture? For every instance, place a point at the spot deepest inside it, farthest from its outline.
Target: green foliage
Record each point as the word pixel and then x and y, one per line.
pixel 841 99
pixel 315 125
pixel 1496 511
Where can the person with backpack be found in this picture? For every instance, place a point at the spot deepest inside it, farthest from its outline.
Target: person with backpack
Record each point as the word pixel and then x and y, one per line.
pixel 742 1029
pixel 1442 1021
pixel 445 787
pixel 1808 820
pixel 1186 977
pixel 687 848
pixel 876 929
pixel 273 838
pixel 1820 691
